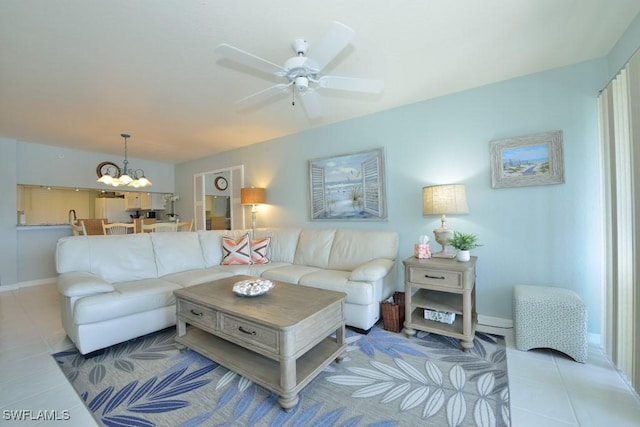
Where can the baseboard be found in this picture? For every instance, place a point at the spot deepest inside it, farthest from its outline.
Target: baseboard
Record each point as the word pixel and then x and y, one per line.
pixel 19 285
pixel 494 322
pixel 494 325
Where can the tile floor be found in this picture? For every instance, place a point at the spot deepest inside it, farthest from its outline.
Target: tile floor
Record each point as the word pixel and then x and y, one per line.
pixel 547 388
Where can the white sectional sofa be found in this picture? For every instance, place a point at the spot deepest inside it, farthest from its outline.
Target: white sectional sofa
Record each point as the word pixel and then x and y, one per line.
pixel 115 288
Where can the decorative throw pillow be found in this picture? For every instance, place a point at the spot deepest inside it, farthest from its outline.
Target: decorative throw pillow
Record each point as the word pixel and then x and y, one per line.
pixel 236 251
pixel 259 250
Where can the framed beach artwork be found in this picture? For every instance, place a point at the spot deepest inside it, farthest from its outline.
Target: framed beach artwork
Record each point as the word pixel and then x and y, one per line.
pixel 348 187
pixel 527 160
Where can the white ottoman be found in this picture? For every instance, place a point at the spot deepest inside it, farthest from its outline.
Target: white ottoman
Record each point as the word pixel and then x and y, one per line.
pixel 549 317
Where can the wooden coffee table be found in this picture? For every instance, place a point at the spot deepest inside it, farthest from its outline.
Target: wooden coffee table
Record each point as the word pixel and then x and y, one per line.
pixel 280 340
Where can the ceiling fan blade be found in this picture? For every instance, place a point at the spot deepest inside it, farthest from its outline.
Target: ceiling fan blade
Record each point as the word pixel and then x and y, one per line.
pixel 351 84
pixel 265 93
pixel 250 60
pixel 311 103
pixel 331 44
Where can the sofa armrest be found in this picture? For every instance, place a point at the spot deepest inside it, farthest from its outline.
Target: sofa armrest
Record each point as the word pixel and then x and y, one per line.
pixel 373 270
pixel 77 284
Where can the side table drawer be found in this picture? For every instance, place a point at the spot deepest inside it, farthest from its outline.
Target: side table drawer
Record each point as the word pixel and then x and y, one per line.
pixel 428 276
pixel 251 333
pixel 197 313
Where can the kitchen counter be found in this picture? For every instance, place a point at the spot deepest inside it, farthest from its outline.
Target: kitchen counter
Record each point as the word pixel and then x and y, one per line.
pixel 42 227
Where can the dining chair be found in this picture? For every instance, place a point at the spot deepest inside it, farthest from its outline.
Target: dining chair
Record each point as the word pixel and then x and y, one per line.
pixel 119 228
pixel 78 228
pixel 184 226
pixel 159 227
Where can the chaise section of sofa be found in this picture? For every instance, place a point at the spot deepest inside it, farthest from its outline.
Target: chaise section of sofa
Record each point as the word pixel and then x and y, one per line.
pixel 115 288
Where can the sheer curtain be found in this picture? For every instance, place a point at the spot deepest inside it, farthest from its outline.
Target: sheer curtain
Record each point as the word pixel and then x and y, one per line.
pixel 619 116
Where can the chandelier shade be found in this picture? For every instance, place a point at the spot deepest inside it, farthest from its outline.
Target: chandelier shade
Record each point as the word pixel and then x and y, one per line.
pixel 125 176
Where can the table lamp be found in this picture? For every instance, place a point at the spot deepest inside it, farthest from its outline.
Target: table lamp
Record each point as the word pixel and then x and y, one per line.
pixel 252 196
pixel 443 200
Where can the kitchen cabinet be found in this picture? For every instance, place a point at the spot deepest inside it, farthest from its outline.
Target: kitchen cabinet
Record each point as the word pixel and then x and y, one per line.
pixel 132 201
pixel 152 202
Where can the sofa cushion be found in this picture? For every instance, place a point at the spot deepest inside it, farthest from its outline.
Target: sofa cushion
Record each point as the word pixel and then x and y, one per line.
pixel 196 277
pixel 121 258
pixel 236 251
pixel 73 254
pixel 289 273
pixel 177 251
pixel 259 248
pixel 284 242
pixel 259 269
pixel 352 248
pixel 129 298
pixel 314 247
pixel 335 280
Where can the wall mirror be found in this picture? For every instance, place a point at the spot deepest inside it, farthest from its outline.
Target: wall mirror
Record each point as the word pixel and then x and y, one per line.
pixel 217 199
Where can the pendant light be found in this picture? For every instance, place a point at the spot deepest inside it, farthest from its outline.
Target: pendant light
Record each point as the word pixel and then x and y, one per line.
pixel 125 176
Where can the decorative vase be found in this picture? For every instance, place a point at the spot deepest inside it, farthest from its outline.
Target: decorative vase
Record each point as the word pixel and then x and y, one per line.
pixel 463 256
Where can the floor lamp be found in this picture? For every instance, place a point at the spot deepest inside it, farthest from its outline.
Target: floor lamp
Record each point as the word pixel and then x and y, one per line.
pixel 442 200
pixel 252 196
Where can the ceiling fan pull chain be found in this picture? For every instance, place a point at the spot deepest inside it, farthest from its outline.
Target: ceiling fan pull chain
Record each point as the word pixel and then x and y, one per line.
pixel 293 95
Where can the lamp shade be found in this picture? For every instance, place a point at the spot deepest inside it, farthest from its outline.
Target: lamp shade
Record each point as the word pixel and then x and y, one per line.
pixel 444 199
pixel 252 196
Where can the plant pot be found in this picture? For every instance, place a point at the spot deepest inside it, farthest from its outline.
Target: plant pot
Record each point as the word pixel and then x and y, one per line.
pixel 463 256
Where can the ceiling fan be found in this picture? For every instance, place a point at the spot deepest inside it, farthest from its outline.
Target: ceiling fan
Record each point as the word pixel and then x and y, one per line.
pixel 303 74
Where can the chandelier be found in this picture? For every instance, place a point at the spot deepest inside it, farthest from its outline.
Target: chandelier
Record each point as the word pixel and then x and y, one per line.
pixel 116 177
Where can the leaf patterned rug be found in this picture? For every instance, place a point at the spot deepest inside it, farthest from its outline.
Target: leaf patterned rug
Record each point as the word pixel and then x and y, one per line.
pixel 385 379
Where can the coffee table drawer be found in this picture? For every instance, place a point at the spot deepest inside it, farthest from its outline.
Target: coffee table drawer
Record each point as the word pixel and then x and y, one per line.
pixel 249 332
pixel 197 313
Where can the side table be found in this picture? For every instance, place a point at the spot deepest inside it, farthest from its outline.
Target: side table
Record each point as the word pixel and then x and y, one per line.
pixel 441 284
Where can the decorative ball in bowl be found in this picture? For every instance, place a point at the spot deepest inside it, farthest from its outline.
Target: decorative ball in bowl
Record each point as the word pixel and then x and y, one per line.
pixel 252 288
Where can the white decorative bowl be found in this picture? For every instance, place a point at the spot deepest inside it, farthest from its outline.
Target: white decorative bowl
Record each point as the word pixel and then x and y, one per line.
pixel 252 288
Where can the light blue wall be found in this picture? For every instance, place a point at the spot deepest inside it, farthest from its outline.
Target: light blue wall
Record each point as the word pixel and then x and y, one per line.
pixel 28 255
pixel 8 212
pixel 626 46
pixel 40 164
pixel 531 235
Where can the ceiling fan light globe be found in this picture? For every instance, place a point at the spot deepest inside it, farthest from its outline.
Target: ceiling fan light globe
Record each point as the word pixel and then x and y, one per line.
pixel 302 83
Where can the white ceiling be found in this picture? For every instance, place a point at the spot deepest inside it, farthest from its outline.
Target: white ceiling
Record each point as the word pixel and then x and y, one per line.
pixel 77 73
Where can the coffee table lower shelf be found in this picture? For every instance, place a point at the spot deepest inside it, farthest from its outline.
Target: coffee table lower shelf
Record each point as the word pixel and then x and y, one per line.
pixel 258 368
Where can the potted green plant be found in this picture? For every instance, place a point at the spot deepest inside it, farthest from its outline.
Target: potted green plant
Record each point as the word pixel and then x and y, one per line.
pixel 464 242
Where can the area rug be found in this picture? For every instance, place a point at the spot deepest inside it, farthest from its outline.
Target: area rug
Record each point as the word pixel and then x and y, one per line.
pixel 385 379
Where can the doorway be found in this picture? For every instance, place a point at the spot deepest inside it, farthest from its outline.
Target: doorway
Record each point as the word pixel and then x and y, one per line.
pixel 217 199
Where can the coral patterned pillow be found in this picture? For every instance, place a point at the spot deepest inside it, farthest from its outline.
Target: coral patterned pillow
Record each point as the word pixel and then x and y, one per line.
pixel 259 250
pixel 236 251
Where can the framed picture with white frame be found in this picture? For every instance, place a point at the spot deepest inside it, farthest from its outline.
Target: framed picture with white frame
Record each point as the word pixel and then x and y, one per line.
pixel 535 159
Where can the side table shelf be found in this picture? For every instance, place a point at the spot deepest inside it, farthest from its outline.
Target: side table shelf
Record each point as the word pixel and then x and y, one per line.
pixel 442 285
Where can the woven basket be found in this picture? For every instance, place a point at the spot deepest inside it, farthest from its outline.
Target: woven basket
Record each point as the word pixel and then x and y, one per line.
pixel 393 313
